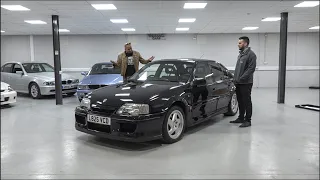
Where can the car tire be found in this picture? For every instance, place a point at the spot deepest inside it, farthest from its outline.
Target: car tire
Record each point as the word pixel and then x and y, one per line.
pixel 232 106
pixel 179 124
pixel 34 91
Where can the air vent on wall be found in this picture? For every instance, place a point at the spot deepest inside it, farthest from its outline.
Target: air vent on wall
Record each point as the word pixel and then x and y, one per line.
pixel 156 37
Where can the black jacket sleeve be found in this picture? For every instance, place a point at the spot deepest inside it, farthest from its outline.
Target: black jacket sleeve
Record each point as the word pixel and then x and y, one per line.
pixel 251 67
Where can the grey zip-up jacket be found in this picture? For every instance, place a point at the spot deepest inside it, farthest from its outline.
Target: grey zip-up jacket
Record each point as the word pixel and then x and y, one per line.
pixel 246 65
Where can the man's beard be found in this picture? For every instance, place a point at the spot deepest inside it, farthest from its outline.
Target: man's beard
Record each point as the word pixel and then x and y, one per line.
pixel 129 53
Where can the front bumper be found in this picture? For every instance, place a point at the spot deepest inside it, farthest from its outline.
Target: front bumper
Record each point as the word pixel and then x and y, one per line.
pixel 8 97
pixel 50 90
pixel 121 128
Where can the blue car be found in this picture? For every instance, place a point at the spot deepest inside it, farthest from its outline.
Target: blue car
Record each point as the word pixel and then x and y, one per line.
pixel 100 75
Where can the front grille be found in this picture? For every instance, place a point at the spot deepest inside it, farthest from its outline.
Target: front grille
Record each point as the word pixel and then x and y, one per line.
pixel 5 99
pixel 96 86
pixel 52 90
pixel 99 127
pixel 2 90
pixel 105 110
pixel 69 81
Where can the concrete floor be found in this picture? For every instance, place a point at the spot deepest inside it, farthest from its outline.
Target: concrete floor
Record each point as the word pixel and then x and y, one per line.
pixel 38 140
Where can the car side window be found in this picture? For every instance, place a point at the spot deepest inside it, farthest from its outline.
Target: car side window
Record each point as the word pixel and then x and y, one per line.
pixel 217 73
pixel 7 68
pixel 202 71
pixel 17 69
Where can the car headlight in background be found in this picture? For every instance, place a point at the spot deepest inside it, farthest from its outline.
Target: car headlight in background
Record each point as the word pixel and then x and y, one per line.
pixel 10 89
pixel 51 83
pixel 131 109
pixel 85 102
pixel 83 87
pixel 76 81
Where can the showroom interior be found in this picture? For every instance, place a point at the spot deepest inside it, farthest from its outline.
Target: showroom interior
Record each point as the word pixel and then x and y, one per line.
pixel 52 50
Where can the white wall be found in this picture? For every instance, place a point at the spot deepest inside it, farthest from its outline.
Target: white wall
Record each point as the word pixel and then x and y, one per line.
pixel 82 51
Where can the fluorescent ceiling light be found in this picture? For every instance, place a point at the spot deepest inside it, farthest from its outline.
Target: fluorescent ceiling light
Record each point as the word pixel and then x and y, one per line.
pixel 15 8
pixel 182 29
pixel 308 4
pixel 119 20
pixel 128 29
pixel 272 19
pixel 315 27
pixel 35 22
pixel 104 6
pixel 2 31
pixel 187 20
pixel 194 5
pixel 64 30
pixel 250 28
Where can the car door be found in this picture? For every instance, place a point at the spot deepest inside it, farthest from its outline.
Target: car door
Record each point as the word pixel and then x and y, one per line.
pixel 6 71
pixel 221 85
pixel 18 76
pixel 203 100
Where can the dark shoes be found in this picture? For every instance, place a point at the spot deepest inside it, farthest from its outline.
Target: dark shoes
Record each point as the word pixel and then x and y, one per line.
pixel 237 121
pixel 245 124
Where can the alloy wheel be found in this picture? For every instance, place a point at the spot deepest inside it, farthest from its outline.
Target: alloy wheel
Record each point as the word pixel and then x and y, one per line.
pixel 175 124
pixel 234 103
pixel 34 91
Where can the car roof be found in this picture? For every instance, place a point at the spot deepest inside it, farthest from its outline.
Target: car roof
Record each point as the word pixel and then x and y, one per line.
pixel 188 60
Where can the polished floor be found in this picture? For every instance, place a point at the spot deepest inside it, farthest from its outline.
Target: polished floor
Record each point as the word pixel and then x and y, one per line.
pixel 38 140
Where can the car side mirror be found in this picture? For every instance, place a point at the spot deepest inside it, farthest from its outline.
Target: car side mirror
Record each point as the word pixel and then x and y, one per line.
pixel 84 73
pixel 199 82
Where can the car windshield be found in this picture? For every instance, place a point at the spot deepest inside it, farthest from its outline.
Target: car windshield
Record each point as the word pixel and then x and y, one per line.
pixel 37 67
pixel 104 69
pixel 172 71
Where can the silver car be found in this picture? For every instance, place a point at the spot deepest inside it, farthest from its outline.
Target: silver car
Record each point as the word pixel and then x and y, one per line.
pixel 37 79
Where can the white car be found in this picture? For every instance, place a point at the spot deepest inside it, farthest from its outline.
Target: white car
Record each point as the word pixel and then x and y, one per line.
pixel 8 95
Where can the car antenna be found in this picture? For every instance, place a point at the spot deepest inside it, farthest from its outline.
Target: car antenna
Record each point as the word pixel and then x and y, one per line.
pixel 201 56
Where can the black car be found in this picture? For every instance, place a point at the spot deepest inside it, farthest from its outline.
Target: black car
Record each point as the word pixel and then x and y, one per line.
pixel 159 101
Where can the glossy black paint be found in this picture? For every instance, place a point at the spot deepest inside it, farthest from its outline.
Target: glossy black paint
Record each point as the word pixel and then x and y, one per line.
pixel 200 98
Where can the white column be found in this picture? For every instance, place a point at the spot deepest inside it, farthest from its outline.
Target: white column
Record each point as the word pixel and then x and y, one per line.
pixel 31 48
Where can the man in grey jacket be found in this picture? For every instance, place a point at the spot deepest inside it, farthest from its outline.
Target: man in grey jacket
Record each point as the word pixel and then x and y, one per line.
pixel 243 79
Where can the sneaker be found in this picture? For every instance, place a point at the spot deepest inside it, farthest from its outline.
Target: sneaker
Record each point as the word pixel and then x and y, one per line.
pixel 237 121
pixel 245 124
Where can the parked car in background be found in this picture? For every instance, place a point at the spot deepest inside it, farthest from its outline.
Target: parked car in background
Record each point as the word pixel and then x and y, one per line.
pixel 37 79
pixel 8 95
pixel 100 75
pixel 159 101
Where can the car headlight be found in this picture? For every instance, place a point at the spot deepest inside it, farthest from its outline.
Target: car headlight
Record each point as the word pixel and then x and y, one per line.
pixel 51 83
pixel 84 87
pixel 131 109
pixel 76 81
pixel 85 102
pixel 10 89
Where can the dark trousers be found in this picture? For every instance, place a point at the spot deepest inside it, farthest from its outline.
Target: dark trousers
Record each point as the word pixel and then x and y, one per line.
pixel 243 92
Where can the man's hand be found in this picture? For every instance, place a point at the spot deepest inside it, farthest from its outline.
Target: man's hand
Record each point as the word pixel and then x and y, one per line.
pixel 113 62
pixel 150 59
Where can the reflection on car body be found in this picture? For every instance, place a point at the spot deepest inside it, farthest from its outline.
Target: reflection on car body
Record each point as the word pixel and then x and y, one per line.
pixel 159 101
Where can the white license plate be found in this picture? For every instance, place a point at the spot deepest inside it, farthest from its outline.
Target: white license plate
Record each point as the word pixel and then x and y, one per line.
pixel 99 119
pixel 67 86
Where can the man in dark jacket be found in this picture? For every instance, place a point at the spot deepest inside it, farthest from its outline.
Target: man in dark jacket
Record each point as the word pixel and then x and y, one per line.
pixel 243 79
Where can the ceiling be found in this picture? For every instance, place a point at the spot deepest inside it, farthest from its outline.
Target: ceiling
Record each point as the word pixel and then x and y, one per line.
pixel 156 17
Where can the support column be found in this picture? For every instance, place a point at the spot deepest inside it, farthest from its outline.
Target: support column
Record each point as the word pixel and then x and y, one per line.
pixel 31 48
pixel 56 56
pixel 282 57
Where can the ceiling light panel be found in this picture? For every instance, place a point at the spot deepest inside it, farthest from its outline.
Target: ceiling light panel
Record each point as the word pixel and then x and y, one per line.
pixel 128 29
pixel 64 30
pixel 308 4
pixel 35 22
pixel 271 19
pixel 194 5
pixel 250 28
pixel 104 6
pixel 182 29
pixel 187 20
pixel 2 31
pixel 315 27
pixel 15 8
pixel 121 21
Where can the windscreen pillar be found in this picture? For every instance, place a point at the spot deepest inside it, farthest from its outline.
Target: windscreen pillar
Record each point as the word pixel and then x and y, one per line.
pixel 56 56
pixel 282 57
